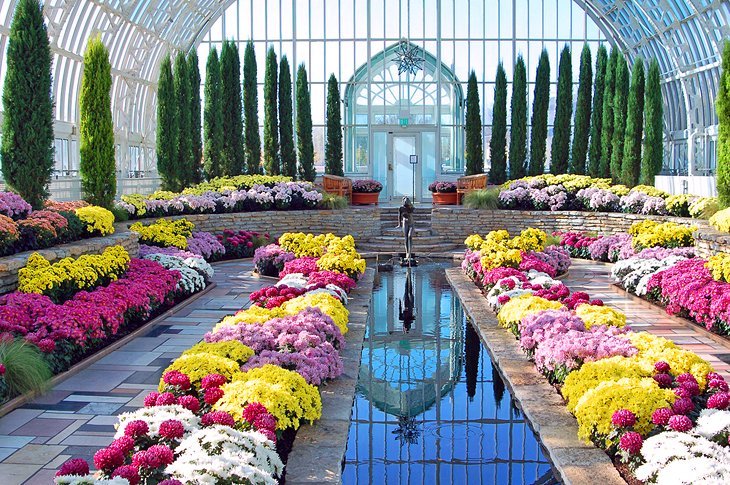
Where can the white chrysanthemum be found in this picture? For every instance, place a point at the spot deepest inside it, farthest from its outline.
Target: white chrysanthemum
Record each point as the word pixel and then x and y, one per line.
pixel 293 280
pixel 712 422
pixel 88 480
pixel 156 415
pixel 201 266
pixel 220 453
pixel 680 458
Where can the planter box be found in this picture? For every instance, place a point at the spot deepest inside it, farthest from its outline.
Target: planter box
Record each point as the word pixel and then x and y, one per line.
pixel 445 198
pixel 365 198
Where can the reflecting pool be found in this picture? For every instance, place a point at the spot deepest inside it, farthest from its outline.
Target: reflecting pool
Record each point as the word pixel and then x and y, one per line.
pixel 430 407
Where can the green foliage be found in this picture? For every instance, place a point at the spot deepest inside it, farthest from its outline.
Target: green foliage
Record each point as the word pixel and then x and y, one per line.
pixel 722 104
pixel 560 150
pixel 272 164
pixel 120 215
pixel 251 112
pixel 498 143
pixel 96 131
pixel 213 117
pixel 184 160
pixel 631 165
pixel 473 150
pixel 27 131
pixel 333 144
pixel 608 115
pixel 286 130
pixel 518 121
pixel 594 152
pixel 482 199
pixel 305 145
pixel 620 99
pixel 579 150
pixel 166 127
pixel 651 161
pixel 333 202
pixel 26 370
pixel 232 159
pixel 195 104
pixel 538 135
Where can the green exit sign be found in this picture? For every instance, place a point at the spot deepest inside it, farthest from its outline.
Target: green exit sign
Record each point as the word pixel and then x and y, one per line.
pixel 404 121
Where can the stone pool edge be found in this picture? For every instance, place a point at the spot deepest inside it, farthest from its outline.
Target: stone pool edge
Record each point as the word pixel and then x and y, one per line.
pixel 319 449
pixel 575 462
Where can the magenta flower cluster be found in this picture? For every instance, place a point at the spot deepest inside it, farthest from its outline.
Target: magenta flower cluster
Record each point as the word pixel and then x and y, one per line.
pixel 14 206
pixel 305 265
pixel 331 277
pixel 98 314
pixel 269 260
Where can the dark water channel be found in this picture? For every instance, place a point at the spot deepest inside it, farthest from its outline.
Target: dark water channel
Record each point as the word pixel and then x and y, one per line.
pixel 430 407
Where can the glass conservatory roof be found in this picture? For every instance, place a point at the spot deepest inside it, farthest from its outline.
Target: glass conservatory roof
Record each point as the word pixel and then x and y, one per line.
pixel 684 35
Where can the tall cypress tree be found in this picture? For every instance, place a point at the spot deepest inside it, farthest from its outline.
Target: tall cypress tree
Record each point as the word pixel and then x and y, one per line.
pixel 560 150
pixel 608 115
pixel 651 160
pixel 582 114
pixel 722 105
pixel 631 164
pixel 232 159
pixel 213 114
pixel 272 164
pixel 305 145
pixel 96 131
pixel 518 121
pixel 594 153
pixel 620 100
pixel 333 143
pixel 195 105
pixel 251 111
pixel 286 130
pixel 498 143
pixel 184 160
pixel 166 126
pixel 27 132
pixel 538 135
pixel 474 151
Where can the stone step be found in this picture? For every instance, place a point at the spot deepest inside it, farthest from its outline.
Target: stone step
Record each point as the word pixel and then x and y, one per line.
pixel 419 239
pixel 398 231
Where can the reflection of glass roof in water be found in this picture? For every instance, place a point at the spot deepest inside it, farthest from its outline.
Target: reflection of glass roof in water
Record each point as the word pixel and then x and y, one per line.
pixel 406 373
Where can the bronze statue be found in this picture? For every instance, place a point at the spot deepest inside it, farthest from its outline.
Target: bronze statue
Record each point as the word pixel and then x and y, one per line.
pixel 405 220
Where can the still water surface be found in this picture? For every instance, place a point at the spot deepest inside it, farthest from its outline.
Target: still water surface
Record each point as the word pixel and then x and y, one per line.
pixel 430 406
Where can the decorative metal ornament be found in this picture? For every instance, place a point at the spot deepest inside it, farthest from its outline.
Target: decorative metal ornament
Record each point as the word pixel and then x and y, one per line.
pixel 409 58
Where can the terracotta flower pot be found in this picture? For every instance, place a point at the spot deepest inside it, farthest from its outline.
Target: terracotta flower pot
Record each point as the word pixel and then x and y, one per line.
pixel 445 198
pixel 365 198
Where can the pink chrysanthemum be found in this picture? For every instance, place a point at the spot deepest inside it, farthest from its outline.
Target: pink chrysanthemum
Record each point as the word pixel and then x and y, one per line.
pixel 683 405
pixel 217 417
pixel 662 367
pixel 680 423
pixel 171 429
pixel 108 459
pixel 631 442
pixel 151 399
pixel 136 428
pixel 692 387
pixel 74 466
pixel 166 399
pixel 718 384
pixel 190 403
pixel 660 417
pixel 719 400
pixel 686 377
pixel 212 380
pixel 664 380
pixel 125 444
pixel 623 418
pixel 145 459
pixel 253 410
pixel 682 392
pixel 163 453
pixel 129 472
pixel 213 394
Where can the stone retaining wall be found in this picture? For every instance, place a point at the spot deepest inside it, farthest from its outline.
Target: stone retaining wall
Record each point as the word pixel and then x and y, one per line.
pixel 9 265
pixel 362 223
pixel 457 223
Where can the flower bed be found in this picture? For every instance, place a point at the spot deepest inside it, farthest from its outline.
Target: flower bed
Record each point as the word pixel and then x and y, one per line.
pixel 222 195
pixel 622 386
pixel 249 385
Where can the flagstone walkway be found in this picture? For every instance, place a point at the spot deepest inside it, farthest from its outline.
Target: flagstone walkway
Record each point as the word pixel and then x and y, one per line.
pixel 77 416
pixel 595 279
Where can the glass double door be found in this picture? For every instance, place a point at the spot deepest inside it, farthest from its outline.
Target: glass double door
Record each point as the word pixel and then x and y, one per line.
pixel 404 161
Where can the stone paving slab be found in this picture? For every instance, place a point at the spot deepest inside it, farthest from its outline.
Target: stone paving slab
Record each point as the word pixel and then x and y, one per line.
pixel 77 416
pixel 575 462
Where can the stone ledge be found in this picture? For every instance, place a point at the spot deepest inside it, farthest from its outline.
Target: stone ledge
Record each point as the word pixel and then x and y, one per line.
pixel 575 462
pixel 319 449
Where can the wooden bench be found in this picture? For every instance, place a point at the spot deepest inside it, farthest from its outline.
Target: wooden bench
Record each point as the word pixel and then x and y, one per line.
pixel 334 184
pixel 466 184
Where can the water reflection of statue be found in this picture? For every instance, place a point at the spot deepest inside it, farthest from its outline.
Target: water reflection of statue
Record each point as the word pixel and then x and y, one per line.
pixel 407 431
pixel 406 308
pixel 405 220
pixel 472 347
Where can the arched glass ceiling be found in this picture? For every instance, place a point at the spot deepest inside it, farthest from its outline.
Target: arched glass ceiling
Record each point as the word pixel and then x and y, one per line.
pixel 684 35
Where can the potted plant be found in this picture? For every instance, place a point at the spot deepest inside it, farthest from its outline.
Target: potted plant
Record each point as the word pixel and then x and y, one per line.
pixel 366 191
pixel 444 193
